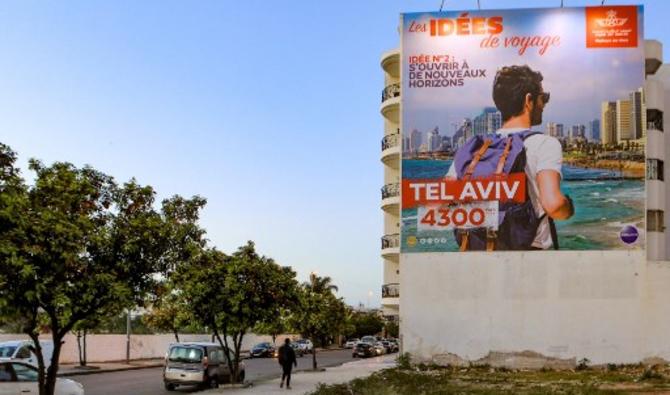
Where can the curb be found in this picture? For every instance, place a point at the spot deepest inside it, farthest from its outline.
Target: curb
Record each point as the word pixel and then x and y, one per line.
pixel 100 371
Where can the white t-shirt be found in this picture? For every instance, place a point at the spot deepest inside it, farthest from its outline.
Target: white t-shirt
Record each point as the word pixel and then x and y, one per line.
pixel 542 153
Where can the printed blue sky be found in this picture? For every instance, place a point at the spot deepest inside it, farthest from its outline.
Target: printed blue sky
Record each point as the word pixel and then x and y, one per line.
pixel 268 109
pixel 579 78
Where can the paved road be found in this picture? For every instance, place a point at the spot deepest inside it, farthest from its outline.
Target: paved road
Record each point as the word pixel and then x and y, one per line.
pixel 150 382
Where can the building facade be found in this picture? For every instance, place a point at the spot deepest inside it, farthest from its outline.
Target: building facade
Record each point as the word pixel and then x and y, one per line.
pixel 524 309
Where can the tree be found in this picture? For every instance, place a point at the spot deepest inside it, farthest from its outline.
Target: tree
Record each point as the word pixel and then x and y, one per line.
pixel 365 323
pixel 75 246
pixel 169 314
pixel 233 294
pixel 275 325
pixel 392 329
pixel 320 313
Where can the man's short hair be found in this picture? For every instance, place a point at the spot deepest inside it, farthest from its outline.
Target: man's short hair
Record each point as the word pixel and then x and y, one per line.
pixel 510 87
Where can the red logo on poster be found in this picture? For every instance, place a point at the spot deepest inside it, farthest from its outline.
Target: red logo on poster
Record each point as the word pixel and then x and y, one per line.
pixel 611 27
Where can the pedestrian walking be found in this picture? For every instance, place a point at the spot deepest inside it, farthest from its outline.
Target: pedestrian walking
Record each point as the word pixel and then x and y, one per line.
pixel 287 360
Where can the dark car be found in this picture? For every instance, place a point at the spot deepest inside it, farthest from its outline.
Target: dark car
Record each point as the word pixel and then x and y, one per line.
pixel 364 350
pixel 263 350
pixel 199 364
pixel 388 346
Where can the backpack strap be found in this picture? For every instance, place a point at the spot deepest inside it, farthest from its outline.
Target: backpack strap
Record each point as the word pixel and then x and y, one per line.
pixel 554 234
pixel 503 157
pixel 478 155
pixel 528 133
pixel 464 241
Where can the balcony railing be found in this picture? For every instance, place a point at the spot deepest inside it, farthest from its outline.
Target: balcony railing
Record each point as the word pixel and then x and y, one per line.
pixel 391 290
pixel 390 141
pixel 390 190
pixel 391 241
pixel 390 92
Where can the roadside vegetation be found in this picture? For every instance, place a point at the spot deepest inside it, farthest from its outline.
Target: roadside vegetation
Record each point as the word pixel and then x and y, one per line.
pixel 79 251
pixel 423 379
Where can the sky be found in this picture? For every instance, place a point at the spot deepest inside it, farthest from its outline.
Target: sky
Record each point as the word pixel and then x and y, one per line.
pixel 268 109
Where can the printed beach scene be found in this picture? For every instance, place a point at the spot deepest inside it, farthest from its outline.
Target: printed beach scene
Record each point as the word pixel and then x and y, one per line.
pixel 605 201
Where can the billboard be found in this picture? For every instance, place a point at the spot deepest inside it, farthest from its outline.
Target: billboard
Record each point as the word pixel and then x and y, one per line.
pixel 523 129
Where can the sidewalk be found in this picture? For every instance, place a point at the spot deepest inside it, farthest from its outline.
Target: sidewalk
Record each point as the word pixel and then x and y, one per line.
pixel 306 381
pixel 69 369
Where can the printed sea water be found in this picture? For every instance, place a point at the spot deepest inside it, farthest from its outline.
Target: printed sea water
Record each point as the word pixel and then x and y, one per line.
pixel 604 204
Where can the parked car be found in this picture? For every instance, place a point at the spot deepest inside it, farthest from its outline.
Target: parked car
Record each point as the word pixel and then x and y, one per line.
pixel 394 344
pixel 306 345
pixel 200 364
pixel 388 347
pixel 263 350
pixel 23 351
pixel 364 350
pixel 369 339
pixel 351 343
pixel 21 378
pixel 379 347
pixel 298 350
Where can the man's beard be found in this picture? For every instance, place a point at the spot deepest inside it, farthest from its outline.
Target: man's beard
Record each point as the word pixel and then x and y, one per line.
pixel 536 116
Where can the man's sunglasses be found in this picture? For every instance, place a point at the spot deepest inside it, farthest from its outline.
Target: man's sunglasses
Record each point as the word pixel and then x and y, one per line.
pixel 545 97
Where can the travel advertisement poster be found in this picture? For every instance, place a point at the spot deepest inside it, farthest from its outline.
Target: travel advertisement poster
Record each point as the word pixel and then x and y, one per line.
pixel 523 130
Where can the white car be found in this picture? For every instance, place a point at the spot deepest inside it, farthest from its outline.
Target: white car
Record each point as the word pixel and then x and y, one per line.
pixel 18 378
pixel 22 351
pixel 351 343
pixel 306 345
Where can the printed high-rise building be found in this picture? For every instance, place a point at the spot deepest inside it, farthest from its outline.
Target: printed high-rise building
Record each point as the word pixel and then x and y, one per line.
pixel 608 123
pixel 594 130
pixel 638 114
pixel 415 141
pixel 624 130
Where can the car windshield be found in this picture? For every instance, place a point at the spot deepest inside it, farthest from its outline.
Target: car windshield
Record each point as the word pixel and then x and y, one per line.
pixel 302 341
pixel 185 354
pixel 262 345
pixel 7 351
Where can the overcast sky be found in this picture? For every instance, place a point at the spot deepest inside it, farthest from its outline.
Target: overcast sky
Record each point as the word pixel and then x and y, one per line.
pixel 268 109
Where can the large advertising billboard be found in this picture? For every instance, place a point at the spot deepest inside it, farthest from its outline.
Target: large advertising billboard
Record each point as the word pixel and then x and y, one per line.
pixel 523 130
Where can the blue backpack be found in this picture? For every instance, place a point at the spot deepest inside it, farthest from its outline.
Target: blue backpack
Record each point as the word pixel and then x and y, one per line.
pixel 484 156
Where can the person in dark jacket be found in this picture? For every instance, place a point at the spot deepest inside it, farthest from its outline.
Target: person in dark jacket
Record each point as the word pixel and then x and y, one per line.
pixel 287 360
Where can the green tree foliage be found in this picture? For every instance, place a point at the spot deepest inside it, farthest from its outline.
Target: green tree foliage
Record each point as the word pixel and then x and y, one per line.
pixel 75 246
pixel 321 314
pixel 233 294
pixel 363 324
pixel 392 329
pixel 169 313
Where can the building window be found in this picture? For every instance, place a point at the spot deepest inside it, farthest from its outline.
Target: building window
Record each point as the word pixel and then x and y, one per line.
pixel 655 221
pixel 655 119
pixel 654 169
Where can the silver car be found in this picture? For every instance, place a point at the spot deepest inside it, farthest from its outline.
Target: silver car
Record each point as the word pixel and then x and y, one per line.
pixel 200 364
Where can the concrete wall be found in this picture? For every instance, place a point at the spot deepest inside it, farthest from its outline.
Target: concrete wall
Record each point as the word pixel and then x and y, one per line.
pixel 606 306
pixel 101 348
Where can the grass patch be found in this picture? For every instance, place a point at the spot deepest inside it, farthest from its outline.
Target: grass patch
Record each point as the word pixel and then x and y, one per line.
pixel 429 379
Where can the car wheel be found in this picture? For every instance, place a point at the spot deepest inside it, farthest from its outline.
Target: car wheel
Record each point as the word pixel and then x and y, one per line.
pixel 213 382
pixel 170 387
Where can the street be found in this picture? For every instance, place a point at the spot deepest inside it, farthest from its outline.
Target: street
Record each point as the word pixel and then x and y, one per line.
pixel 150 382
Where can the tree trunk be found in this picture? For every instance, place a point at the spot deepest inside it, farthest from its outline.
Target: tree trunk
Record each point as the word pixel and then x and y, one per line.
pixel 176 335
pixel 81 356
pixel 85 355
pixel 314 354
pixel 41 378
pixel 50 383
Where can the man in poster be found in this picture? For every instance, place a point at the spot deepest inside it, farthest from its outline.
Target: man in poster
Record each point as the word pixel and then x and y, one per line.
pixel 520 98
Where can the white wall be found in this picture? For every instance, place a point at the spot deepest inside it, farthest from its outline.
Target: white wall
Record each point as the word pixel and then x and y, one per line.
pixel 607 306
pixel 101 348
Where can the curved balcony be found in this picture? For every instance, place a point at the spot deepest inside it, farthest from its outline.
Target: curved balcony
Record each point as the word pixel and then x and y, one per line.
pixel 391 245
pixel 391 294
pixel 391 144
pixel 391 198
pixel 390 107
pixel 390 62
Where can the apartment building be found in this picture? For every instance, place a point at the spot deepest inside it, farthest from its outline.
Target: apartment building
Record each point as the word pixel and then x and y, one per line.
pixel 607 306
